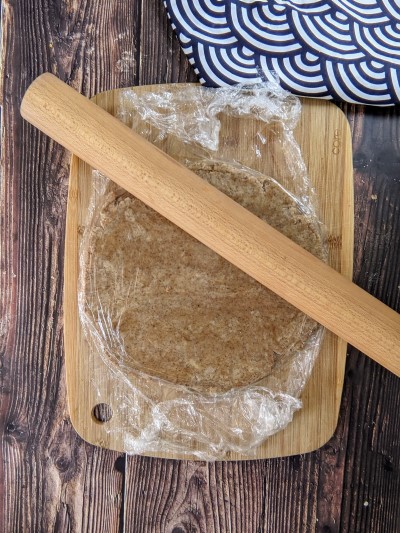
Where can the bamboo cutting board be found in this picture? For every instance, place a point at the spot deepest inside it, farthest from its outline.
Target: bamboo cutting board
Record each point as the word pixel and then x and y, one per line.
pixel 324 136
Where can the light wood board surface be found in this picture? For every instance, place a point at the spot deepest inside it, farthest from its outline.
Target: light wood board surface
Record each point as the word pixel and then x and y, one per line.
pixel 324 136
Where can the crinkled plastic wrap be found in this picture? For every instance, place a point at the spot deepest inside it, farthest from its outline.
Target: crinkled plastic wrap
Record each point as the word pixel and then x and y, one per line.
pixel 190 335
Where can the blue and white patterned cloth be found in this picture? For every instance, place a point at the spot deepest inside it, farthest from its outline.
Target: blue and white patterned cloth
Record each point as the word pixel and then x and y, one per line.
pixel 342 49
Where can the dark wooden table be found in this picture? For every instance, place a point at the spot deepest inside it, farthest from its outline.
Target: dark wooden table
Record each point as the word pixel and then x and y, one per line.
pixel 50 479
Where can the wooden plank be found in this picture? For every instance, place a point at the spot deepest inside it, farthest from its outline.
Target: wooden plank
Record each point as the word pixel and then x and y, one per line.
pixel 89 378
pixel 49 476
pixel 322 491
pixel 371 401
pixel 195 496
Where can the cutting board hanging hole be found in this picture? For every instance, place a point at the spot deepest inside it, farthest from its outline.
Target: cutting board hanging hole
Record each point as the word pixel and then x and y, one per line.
pixel 102 412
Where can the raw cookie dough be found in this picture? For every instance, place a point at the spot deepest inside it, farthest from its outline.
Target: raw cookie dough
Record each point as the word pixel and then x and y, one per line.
pixel 165 304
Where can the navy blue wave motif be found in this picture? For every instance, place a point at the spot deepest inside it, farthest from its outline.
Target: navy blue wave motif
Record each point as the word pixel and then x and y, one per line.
pixel 342 49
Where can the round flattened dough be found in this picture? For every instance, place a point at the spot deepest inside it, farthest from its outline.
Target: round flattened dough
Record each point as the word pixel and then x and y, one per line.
pixel 176 310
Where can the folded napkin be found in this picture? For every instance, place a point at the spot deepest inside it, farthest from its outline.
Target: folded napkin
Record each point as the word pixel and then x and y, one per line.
pixel 345 50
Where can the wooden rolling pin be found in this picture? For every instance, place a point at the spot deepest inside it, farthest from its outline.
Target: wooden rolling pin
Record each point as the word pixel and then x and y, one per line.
pixel 214 219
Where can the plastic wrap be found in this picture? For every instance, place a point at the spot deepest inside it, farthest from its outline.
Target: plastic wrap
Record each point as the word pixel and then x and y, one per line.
pixel 150 300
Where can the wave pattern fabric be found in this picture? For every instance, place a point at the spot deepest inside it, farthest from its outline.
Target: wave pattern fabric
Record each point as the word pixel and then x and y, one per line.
pixel 342 49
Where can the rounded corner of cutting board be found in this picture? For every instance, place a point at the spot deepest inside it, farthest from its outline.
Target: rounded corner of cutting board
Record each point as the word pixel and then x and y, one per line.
pixel 300 436
pixel 94 433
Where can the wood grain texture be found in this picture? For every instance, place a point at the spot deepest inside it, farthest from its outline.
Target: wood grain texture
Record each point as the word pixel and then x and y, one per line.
pixel 326 491
pixel 90 380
